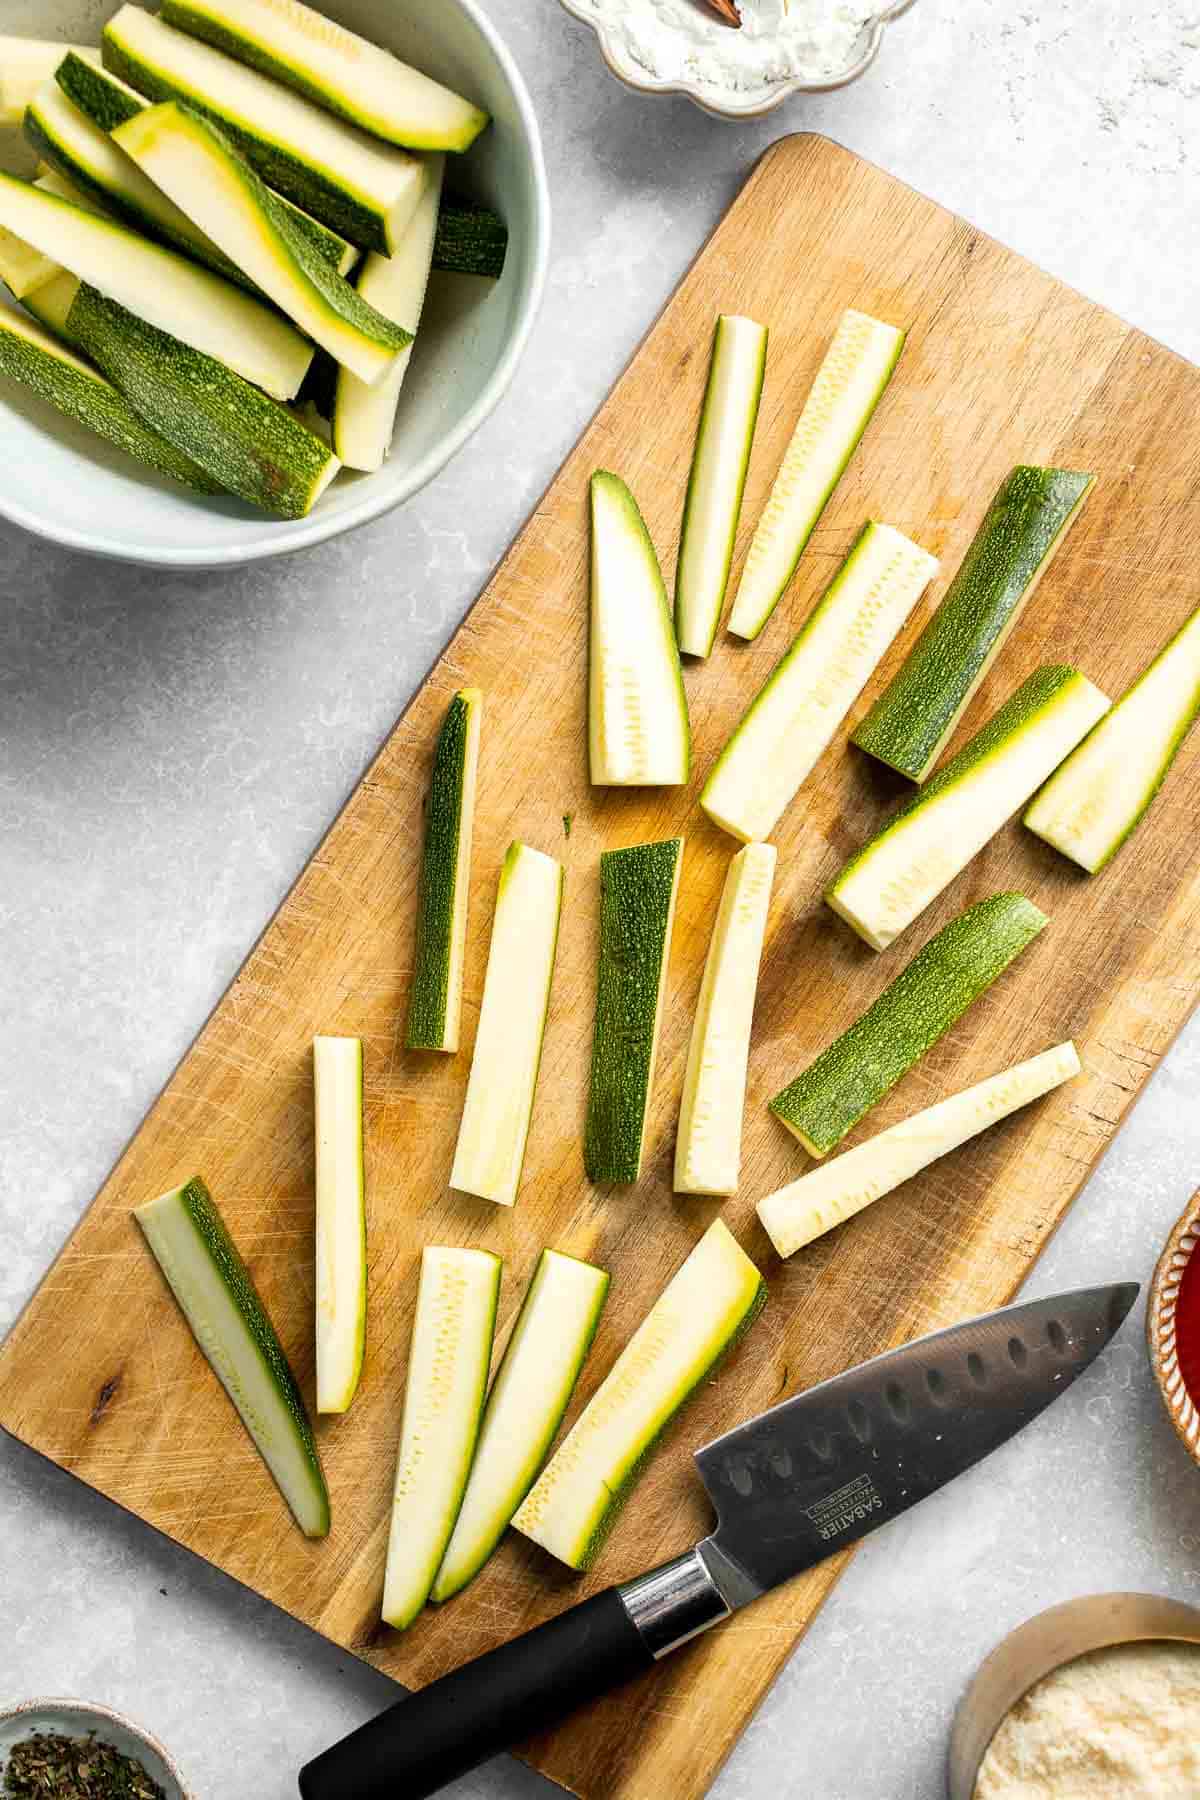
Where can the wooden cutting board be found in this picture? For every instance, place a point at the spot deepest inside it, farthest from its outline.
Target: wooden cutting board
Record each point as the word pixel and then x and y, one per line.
pixel 1002 365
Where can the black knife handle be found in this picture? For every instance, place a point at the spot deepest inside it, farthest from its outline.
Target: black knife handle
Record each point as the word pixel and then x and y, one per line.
pixel 433 1736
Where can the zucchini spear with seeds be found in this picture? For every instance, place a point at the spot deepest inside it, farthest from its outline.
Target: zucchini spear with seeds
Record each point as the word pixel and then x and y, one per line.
pixel 792 720
pixel 933 837
pixel 710 1301
pixel 532 1390
pixel 638 729
pixel 1105 788
pixel 443 1402
pixel 910 724
pixel 25 65
pixel 829 1195
pixel 908 1018
pixel 849 386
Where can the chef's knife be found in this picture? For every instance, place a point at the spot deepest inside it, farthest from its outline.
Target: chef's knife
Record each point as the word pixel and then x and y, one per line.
pixel 793 1486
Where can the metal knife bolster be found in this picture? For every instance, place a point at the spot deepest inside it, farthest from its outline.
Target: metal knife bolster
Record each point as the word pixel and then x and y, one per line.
pixel 674 1602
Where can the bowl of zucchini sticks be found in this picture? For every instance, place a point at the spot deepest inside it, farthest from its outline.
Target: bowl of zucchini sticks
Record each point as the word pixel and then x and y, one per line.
pixel 264 268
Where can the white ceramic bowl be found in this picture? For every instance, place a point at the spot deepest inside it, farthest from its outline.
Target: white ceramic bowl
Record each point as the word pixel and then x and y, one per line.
pixel 74 1718
pixel 753 106
pixel 60 481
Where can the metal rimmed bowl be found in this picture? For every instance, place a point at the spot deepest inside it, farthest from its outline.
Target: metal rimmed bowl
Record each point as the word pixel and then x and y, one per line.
pixel 1161 1335
pixel 76 1718
pixel 1046 1643
pixel 709 98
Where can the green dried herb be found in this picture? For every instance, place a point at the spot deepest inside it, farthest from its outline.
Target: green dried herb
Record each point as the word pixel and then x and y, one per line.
pixel 568 819
pixel 79 1768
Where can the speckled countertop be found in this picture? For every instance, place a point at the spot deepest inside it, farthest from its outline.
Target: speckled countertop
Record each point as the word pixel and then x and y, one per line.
pixel 172 747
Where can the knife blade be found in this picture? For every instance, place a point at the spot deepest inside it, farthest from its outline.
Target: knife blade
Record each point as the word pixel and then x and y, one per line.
pixel 789 1488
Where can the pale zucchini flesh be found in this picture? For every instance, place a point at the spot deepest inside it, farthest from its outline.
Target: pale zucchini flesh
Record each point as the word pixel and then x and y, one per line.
pixel 638 729
pixel 364 417
pixel 25 65
pixel 512 1023
pixel 443 1401
pixel 166 290
pixel 87 156
pixel 849 386
pixel 196 166
pixel 108 102
pixel 1103 791
pixel 910 724
pixel 638 887
pixel 532 1390
pixel 335 68
pixel 718 479
pixel 826 1197
pixel 254 447
pixel 907 864
pixel 51 303
pixel 708 1304
pixel 22 268
pixel 341 1259
pixel 39 361
pixel 794 717
pixel 908 1018
pixel 364 189
pixel 217 1296
pixel 435 997
pixel 708 1148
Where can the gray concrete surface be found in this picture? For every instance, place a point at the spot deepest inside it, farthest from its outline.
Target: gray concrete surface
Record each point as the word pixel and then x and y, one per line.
pixel 171 748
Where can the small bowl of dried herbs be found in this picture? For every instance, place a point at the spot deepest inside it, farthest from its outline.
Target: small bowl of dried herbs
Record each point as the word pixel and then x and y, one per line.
pixel 66 1750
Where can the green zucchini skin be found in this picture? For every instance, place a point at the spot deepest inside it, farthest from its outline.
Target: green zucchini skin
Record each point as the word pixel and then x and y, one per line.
pixel 330 301
pixel 234 35
pixel 1095 801
pixel 214 1236
pixel 298 181
pixel 105 101
pixel 433 1004
pixel 546 1394
pixel 879 917
pixel 703 1312
pixel 110 199
pixel 909 724
pixel 245 440
pixel 471 240
pixel 109 105
pixel 94 402
pixel 637 903
pixel 908 1018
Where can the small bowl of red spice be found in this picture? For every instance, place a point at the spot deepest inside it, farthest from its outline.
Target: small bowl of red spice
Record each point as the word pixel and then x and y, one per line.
pixel 1173 1327
pixel 77 1751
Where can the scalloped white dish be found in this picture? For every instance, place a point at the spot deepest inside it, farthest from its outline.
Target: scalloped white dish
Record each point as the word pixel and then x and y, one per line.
pixel 720 102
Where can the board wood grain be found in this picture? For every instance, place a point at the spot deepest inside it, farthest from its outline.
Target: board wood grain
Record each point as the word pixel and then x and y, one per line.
pixel 1003 364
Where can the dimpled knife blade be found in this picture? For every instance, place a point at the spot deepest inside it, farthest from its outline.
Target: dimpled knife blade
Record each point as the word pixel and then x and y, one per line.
pixel 818 1472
